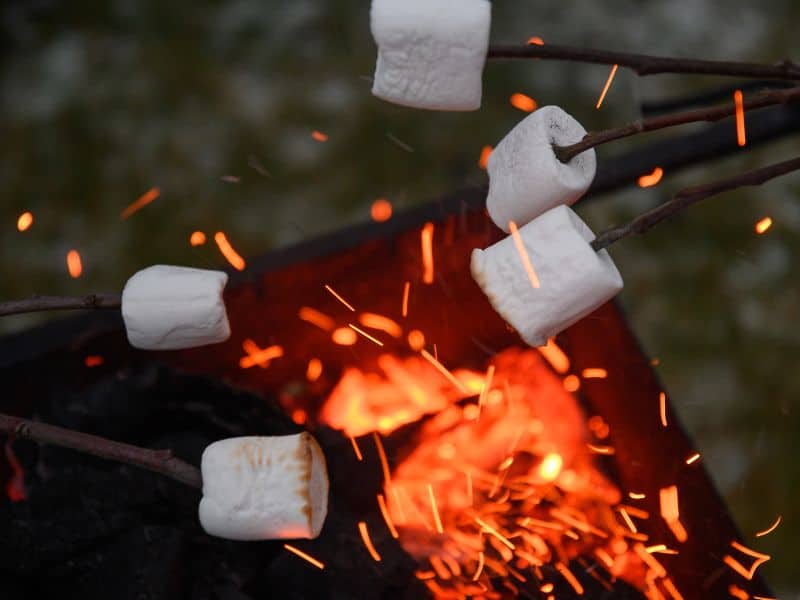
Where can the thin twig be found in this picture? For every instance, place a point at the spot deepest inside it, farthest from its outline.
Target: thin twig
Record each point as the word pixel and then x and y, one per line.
pixel 595 138
pixel 644 64
pixel 689 196
pixel 41 303
pixel 158 461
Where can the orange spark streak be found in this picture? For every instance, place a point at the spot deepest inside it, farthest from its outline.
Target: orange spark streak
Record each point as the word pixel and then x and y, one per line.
pixel 479 570
pixel 771 528
pixel 763 225
pixel 693 458
pixel 315 317
pixel 93 360
pixel 673 591
pixel 536 40
pixel 387 474
pixel 492 531
pixel 734 564
pixel 523 102
pixel 483 161
pixel 24 221
pixel 381 210
pixel 304 556
pixel 651 179
pixel 339 298
pixel 406 292
pixel 314 370
pixel 487 384
pixel 662 408
pixel 381 323
pixel 523 254
pixel 257 356
pixel 416 340
pixel 608 85
pixel 608 450
pixel 387 517
pixel 365 334
pixel 319 136
pixel 74 265
pixel 668 498
pixel 362 528
pixel 198 238
pixel 571 579
pixel 737 592
pixel 594 373
pixel 344 336
pixel 356 449
pixel 435 510
pixel 637 495
pixel 140 203
pixel 555 356
pixel 650 561
pixel 443 370
pixel 426 239
pixel 741 137
pixel 233 257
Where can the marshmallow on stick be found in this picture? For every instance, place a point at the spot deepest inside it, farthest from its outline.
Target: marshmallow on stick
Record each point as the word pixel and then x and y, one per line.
pixel 168 308
pixel 264 488
pixel 431 52
pixel 573 279
pixel 525 176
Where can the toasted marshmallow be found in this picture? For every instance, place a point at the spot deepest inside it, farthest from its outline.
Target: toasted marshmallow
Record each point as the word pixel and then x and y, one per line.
pixel 525 176
pixel 573 279
pixel 264 488
pixel 168 308
pixel 431 52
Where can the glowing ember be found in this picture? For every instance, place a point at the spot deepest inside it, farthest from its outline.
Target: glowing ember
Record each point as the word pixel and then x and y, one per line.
pixel 734 564
pixel 257 356
pixel 362 529
pixel 406 292
pixel 536 41
pixel 344 336
pixel 523 254
pixel 74 265
pixel 336 295
pixel 381 210
pixel 670 513
pixel 572 383
pixel 523 102
pixel 304 556
pixel 483 161
pixel 233 257
pixel 607 86
pixel 555 356
pixel 140 203
pixel 198 238
pixel 365 334
pixel 381 323
pixel 651 179
pixel 662 408
pixel 637 495
pixel 594 373
pixel 314 370
pixel 93 360
pixel 693 458
pixel 24 221
pixel 15 488
pixel 319 136
pixel 771 528
pixel 315 317
pixel 426 239
pixel 741 137
pixel 763 225
pixel 550 468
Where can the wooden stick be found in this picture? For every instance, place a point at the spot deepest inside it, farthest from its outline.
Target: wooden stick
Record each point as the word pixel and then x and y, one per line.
pixel 42 303
pixel 158 461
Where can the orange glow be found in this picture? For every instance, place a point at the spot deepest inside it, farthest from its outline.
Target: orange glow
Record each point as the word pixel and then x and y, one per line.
pixel 637 496
pixel 381 210
pixel 483 161
pixel 198 238
pixel 299 416
pixel 523 102
pixel 340 298
pixel 651 179
pixel 319 136
pixel 93 360
pixel 551 465
pixel 365 334
pixel 693 458
pixel 362 529
pixel 437 521
pixel 741 136
pixel 426 239
pixel 140 203
pixel 734 564
pixel 257 356
pixel 662 408
pixel 771 528
pixel 668 497
pixel 607 86
pixel 304 556
pixel 406 292
pixel 74 265
pixel 387 517
pixel 536 41
pixel 314 370
pixel 381 323
pixel 443 370
pixel 555 356
pixel 523 254
pixel 344 336
pixel 315 317
pixel 763 225
pixel 594 373
pixel 416 340
pixel 15 488
pixel 233 257
pixel 572 383
pixel 24 221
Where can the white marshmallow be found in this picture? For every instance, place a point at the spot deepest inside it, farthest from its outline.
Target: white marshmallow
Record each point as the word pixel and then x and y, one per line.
pixel 264 488
pixel 525 176
pixel 574 280
pixel 168 308
pixel 431 52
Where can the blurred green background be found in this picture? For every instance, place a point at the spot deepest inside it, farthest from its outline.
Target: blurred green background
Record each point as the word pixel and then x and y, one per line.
pixel 103 100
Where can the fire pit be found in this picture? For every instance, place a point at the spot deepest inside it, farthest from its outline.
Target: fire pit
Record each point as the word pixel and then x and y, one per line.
pixel 462 463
